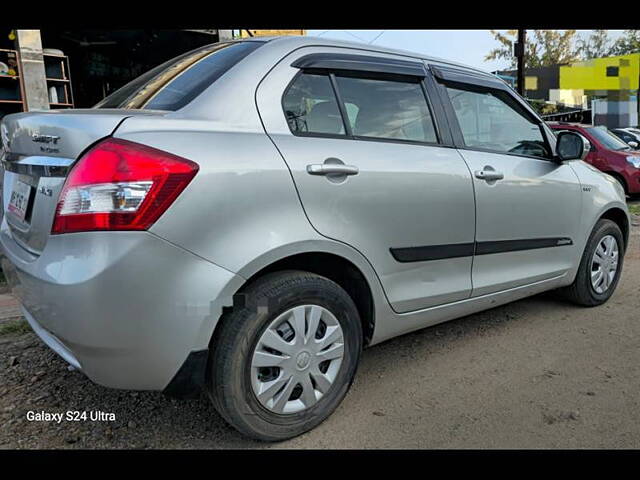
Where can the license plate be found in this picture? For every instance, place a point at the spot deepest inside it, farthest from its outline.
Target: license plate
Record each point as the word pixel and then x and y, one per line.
pixel 19 199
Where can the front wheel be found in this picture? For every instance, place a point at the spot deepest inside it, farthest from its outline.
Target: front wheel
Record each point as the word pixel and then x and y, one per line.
pixel 283 362
pixel 600 266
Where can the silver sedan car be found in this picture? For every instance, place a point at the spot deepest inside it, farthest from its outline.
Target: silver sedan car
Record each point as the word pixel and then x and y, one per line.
pixel 247 217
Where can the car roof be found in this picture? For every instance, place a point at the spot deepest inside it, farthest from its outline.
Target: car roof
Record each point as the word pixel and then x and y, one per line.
pixel 297 41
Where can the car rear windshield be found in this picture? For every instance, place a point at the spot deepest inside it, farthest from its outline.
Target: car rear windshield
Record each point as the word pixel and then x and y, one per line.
pixel 607 139
pixel 175 83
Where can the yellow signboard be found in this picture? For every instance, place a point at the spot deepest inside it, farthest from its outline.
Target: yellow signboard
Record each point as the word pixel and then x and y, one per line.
pixel 610 73
pixel 270 33
pixel 530 83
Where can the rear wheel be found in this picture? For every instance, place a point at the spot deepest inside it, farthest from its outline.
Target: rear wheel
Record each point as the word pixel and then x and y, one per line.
pixel 282 364
pixel 600 266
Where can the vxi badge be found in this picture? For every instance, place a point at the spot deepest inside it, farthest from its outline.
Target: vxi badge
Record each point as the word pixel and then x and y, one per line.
pixel 47 139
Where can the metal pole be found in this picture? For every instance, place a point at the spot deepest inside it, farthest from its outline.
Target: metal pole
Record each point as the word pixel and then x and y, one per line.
pixel 519 52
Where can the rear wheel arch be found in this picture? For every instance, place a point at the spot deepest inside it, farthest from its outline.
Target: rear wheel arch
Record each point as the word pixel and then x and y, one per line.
pixel 332 266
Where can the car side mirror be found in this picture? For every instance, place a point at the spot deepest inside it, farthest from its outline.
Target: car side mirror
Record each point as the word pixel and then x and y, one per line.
pixel 633 144
pixel 572 146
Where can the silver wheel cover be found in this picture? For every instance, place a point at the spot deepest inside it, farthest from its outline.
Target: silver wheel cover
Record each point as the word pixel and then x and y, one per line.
pixel 604 264
pixel 297 359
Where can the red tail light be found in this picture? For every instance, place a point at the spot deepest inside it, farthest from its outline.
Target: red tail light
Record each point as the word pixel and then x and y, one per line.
pixel 120 185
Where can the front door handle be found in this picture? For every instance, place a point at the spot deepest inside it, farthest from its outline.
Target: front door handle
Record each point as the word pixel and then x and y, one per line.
pixel 332 169
pixel 489 174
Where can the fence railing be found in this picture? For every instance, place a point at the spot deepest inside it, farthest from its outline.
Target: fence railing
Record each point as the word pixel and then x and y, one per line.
pixel 574 116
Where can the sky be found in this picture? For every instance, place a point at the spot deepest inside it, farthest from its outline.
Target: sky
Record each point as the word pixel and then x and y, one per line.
pixel 464 46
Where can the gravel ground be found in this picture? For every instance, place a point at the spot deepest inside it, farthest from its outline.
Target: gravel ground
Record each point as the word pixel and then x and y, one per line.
pixel 537 373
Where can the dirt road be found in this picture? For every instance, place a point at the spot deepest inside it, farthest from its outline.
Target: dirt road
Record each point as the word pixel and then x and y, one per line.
pixel 536 373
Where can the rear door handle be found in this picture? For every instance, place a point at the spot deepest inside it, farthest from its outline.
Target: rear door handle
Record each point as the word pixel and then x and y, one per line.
pixel 332 169
pixel 489 174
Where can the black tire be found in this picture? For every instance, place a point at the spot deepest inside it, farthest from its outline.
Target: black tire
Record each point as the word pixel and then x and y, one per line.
pixel 240 330
pixel 581 291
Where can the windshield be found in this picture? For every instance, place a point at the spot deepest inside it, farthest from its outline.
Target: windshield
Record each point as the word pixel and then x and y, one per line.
pixel 607 139
pixel 175 83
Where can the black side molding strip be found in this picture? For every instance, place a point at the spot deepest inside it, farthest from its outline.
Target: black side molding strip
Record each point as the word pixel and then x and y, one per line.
pixel 456 250
pixel 501 246
pixel 433 252
pixel 363 63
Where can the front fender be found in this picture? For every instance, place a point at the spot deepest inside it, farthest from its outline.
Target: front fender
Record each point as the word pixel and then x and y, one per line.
pixel 600 194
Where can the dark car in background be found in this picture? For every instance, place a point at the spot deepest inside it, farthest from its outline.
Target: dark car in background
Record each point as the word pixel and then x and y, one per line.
pixel 609 154
pixel 628 136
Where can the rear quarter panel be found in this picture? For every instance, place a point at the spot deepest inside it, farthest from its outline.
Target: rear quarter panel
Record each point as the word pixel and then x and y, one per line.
pixel 241 203
pixel 241 211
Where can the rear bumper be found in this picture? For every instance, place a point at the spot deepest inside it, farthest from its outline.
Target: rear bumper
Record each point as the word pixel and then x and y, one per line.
pixel 51 341
pixel 127 308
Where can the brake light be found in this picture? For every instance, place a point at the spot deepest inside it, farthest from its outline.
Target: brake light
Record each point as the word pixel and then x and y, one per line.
pixel 120 185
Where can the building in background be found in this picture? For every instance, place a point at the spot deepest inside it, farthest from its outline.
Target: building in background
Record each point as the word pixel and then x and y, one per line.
pixel 604 88
pixel 56 69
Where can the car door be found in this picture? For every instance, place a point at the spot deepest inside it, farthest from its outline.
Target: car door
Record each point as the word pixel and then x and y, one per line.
pixel 527 204
pixel 374 168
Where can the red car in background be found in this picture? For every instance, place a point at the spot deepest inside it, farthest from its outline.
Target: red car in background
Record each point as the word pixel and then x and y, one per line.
pixel 609 154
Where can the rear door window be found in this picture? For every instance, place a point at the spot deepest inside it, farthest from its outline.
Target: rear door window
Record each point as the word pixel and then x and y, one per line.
pixel 175 83
pixel 310 106
pixel 387 109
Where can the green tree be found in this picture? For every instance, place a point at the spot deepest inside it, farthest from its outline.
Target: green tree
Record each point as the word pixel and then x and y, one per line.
pixel 543 47
pixel 505 50
pixel 629 42
pixel 597 45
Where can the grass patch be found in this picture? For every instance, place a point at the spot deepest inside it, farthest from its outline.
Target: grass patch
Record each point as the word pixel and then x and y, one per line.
pixel 17 327
pixel 634 209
